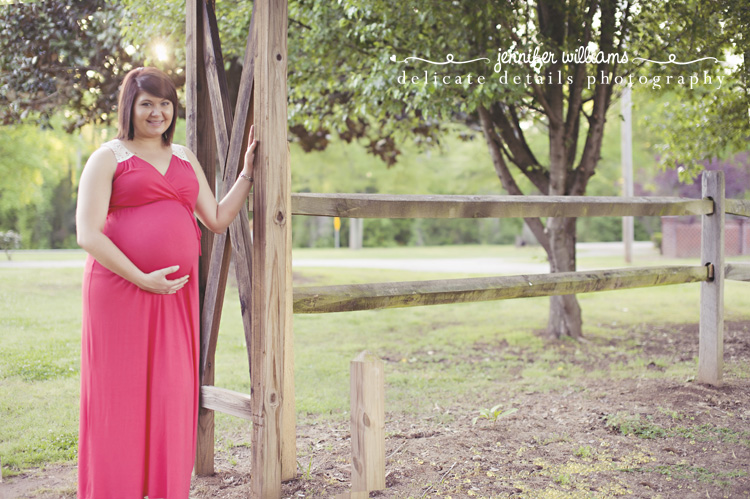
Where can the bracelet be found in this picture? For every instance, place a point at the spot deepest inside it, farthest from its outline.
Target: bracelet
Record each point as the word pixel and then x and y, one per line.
pixel 249 179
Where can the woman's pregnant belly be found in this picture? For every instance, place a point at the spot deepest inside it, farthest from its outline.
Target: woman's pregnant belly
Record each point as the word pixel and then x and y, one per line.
pixel 156 236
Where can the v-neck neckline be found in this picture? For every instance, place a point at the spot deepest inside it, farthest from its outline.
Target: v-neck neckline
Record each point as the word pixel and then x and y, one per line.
pixel 169 165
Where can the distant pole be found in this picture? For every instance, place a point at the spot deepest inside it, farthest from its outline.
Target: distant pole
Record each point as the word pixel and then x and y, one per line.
pixel 626 155
pixel 356 233
pixel 336 232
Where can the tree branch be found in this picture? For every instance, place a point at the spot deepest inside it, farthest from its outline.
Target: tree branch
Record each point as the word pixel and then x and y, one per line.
pixel 602 94
pixel 536 89
pixel 575 96
pixel 519 152
pixel 506 179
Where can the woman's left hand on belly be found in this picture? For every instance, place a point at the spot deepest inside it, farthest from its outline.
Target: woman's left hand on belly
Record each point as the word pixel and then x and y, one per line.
pixel 157 282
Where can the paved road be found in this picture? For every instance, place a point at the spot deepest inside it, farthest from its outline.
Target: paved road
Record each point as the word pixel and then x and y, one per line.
pixel 462 265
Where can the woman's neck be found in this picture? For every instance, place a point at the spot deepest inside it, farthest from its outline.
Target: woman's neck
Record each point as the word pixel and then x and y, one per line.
pixel 147 144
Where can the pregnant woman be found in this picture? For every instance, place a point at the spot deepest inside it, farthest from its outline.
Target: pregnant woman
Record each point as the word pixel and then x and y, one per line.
pixel 137 201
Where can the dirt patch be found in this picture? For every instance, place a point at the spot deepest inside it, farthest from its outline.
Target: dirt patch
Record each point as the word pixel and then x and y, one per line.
pixel 647 436
pixel 53 481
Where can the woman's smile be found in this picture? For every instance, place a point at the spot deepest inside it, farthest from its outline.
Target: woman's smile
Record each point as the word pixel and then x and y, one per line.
pixel 152 115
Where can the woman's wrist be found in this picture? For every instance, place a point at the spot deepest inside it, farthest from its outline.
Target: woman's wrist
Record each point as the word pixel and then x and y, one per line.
pixel 139 279
pixel 248 177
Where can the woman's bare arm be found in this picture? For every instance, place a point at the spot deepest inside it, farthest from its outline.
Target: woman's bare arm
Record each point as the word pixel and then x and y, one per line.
pixel 218 215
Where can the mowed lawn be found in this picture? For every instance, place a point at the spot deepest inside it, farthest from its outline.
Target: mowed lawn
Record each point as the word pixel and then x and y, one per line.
pixel 40 317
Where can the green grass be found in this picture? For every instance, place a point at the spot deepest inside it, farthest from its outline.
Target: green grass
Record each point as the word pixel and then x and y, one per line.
pixel 434 355
pixel 37 255
pixel 687 472
pixel 39 363
pixel 635 425
pixel 647 428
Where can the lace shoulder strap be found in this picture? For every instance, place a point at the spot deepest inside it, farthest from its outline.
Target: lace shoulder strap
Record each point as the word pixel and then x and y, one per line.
pixel 180 152
pixel 121 152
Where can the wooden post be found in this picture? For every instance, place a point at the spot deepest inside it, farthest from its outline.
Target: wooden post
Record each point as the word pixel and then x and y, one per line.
pixel 367 423
pixel 199 125
pixel 711 346
pixel 271 216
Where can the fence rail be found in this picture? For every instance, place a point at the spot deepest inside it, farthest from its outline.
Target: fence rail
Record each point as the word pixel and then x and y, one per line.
pixel 227 401
pixel 449 206
pixel 352 297
pixel 344 298
pixel 737 271
pixel 713 272
pixel 739 207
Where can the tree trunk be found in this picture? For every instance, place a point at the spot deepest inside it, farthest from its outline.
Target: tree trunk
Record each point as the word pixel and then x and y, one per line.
pixel 559 237
pixel 564 311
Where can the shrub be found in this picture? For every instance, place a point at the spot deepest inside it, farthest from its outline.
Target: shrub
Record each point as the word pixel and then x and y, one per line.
pixel 9 240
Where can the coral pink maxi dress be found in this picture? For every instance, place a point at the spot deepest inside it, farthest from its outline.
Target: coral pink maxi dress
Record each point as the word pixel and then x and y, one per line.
pixel 140 350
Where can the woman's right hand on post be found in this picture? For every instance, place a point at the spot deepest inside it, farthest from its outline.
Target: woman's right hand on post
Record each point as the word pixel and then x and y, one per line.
pixel 157 282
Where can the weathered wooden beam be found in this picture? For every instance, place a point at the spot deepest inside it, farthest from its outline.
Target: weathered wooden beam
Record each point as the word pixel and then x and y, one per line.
pixel 239 230
pixel 447 206
pixel 219 264
pixel 711 335
pixel 272 214
pixel 226 401
pixel 367 420
pixel 217 83
pixel 230 155
pixel 213 303
pixel 737 271
pixel 351 297
pixel 212 300
pixel 737 207
pixel 199 125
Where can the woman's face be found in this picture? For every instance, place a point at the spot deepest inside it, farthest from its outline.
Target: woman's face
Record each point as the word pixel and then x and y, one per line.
pixel 151 116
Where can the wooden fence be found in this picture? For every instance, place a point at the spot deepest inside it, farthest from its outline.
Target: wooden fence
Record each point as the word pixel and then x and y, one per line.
pixel 711 273
pixel 263 266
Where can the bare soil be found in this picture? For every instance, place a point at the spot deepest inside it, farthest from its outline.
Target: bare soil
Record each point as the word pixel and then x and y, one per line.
pixel 647 436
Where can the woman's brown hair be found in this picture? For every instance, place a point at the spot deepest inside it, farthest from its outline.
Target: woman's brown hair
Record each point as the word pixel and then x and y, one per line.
pixel 149 80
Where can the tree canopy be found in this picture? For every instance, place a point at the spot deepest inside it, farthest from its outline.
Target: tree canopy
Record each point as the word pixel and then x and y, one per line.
pixel 71 55
pixel 60 56
pixel 698 124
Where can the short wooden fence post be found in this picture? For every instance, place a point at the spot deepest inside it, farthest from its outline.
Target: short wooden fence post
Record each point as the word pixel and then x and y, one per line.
pixel 367 423
pixel 711 342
